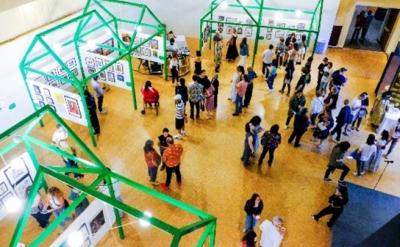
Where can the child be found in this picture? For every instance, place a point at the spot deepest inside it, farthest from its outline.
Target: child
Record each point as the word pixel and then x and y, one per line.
pixel 180 117
pixel 249 90
pixel 272 75
pixel 197 63
pixel 174 67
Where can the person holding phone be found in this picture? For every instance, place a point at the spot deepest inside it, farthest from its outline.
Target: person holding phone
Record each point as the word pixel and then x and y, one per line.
pixel 253 208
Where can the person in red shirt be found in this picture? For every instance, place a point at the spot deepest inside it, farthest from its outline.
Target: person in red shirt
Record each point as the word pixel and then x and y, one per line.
pixel 172 158
pixel 150 96
pixel 153 160
pixel 240 92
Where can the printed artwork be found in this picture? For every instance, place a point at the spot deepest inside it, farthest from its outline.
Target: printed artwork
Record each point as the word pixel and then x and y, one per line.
pixel 97 222
pixel 268 36
pixel 120 78
pixel 46 92
pixel 119 68
pixel 301 26
pixel 111 77
pixel 37 89
pixel 154 44
pixel 3 189
pixel 155 53
pixel 39 97
pixel 248 31
pixel 281 24
pixel 71 63
pixel 41 104
pixel 110 69
pixel 99 62
pixel 89 62
pixel 16 172
pixel 279 34
pixel 49 101
pixel 84 231
pixel 4 199
pixel 102 76
pixel 20 187
pixel 240 30
pixel 221 18
pixel 72 107
pixel 75 71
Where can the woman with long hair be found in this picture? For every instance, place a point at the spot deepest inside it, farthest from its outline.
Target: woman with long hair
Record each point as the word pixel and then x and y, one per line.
pixel 366 152
pixel 336 161
pixel 244 52
pixel 153 160
pixel 253 208
pixel 249 239
pixel 373 166
pixel 232 52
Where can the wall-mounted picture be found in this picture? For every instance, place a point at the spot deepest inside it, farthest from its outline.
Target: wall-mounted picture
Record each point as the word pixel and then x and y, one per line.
pixel 239 30
pixel 37 89
pixel 91 70
pixel 39 97
pixel 46 92
pixel 268 36
pixel 271 22
pixel 21 186
pixel 4 199
pixel 154 44
pixel 120 78
pixel 269 30
pixel 84 231
pixel 102 76
pixel 110 77
pixel 75 71
pixel 147 52
pixel 41 104
pixel 221 18
pixel 281 24
pixel 110 68
pixel 154 53
pixel 49 101
pixel 89 61
pixel 16 172
pixel 119 68
pixel 97 222
pixel 3 189
pixel 99 62
pixel 72 106
pixel 71 63
pixel 248 31
pixel 231 19
pixel 279 34
pixel 301 26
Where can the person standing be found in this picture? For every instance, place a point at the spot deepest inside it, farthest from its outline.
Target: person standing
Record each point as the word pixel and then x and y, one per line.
pixel 365 153
pixel 180 117
pixel 197 63
pixel 174 67
pixel 301 123
pixel 272 233
pixel 244 52
pixel 360 23
pixel 355 108
pixel 336 161
pixel 249 144
pixel 267 60
pixel 272 75
pixel 280 52
pixel 195 91
pixel 99 94
pixel 232 52
pixel 251 75
pixel 182 90
pixel 331 100
pixel 321 67
pixel 172 158
pixel 317 107
pixel 288 77
pixel 361 113
pixel 249 239
pixel 241 90
pixel 215 84
pixel 322 129
pixel 162 143
pixel 153 160
pixel 57 203
pixel 237 77
pixel 296 103
pixel 326 76
pixel 301 83
pixel 209 101
pixel 368 20
pixel 218 49
pixel 91 105
pixel 373 166
pixel 394 138
pixel 341 120
pixel 60 137
pixel 253 208
pixel 38 210
pixel 337 202
pixel 270 141
pixel 379 109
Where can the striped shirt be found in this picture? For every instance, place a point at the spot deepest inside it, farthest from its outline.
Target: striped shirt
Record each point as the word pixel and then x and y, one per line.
pixel 180 110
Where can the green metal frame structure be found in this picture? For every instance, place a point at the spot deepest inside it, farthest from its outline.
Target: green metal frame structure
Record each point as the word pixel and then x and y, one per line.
pixel 90 22
pixel 258 8
pixel 95 167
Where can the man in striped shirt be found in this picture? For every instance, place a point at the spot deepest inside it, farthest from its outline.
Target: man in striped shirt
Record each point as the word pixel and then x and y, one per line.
pixel 179 116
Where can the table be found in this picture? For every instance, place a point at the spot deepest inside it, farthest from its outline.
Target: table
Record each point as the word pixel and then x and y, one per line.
pixel 389 120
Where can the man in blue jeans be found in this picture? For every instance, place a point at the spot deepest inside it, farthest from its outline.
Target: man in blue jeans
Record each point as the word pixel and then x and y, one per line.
pixel 241 90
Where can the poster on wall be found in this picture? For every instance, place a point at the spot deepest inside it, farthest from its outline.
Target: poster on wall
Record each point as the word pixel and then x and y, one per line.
pixel 151 50
pixel 67 104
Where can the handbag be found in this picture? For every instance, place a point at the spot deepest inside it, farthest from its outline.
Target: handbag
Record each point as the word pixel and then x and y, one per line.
pixel 356 154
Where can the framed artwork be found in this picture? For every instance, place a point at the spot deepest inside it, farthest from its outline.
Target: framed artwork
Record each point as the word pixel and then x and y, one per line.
pixel 221 18
pixel 3 189
pixel 16 172
pixel 110 68
pixel 6 197
pixel 154 53
pixel 84 231
pixel 301 26
pixel 46 92
pixel 71 63
pixel 240 30
pixel 271 22
pixel 87 242
pixel 91 70
pixel 97 222
pixel 281 24
pixel 99 62
pixel 111 77
pixel 119 67
pixel 72 106
pixel 39 97
pixel 154 44
pixel 21 186
pixel 41 104
pixel 268 36
pixel 147 52
pixel 120 78
pixel 36 88
pixel 75 71
pixel 231 19
pixel 49 101
pixel 279 34
pixel 248 31
pixel 269 30
pixel 102 76
pixel 89 62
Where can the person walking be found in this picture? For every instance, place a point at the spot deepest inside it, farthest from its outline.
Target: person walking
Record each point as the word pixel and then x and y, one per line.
pixel 267 60
pixel 180 117
pixel 91 105
pixel 195 91
pixel 280 52
pixel 241 90
pixel 321 68
pixel 317 107
pixel 243 52
pixel 373 166
pixel 341 120
pixel 366 152
pixel 336 161
pixel 99 94
pixel 272 232
pixel 253 208
pixel 272 75
pixel 270 141
pixel 394 138
pixel 360 23
pixel 162 143
pixel 251 75
pixel 153 160
pixel 296 103
pixel 237 77
pixel 288 77
pixel 232 52
pixel 301 123
pixel 249 144
pixel 182 90
pixel 337 202
pixel 362 113
pixel 172 158
pixel 322 129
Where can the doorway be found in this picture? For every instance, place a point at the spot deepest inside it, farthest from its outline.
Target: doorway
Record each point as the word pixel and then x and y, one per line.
pixel 371 27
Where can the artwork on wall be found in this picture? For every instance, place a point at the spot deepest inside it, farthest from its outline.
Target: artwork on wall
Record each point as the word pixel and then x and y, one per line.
pixel 46 92
pixel 97 222
pixel 240 30
pixel 231 19
pixel 110 68
pixel 21 186
pixel 155 53
pixel 4 199
pixel 75 71
pixel 248 31
pixel 41 104
pixel 102 76
pixel 110 77
pixel 84 231
pixel 3 189
pixel 16 172
pixel 271 22
pixel 99 62
pixel 120 78
pixel 37 89
pixel 268 36
pixel 71 63
pixel 119 68
pixel 39 97
pixel 72 106
pixel 301 26
pixel 89 62
pixel 279 34
pixel 49 101
pixel 281 24
pixel 154 44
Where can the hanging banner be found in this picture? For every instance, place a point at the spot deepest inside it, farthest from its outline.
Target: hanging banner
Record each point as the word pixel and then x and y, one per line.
pixel 15 178
pixel 67 104
pixel 116 75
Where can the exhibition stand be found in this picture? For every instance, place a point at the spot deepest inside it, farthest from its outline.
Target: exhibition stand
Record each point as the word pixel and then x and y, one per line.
pixel 96 221
pixel 259 20
pixel 61 61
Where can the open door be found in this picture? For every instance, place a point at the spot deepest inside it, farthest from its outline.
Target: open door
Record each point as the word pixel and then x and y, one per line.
pixel 389 25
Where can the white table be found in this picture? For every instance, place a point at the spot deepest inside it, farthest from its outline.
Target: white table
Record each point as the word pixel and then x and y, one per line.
pixel 389 120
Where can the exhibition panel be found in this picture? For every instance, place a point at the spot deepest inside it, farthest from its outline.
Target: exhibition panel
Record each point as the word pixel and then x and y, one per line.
pixel 27 175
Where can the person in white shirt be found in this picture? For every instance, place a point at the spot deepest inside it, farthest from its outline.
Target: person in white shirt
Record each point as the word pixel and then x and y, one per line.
pixel 355 107
pixel 235 80
pixel 99 94
pixel 317 107
pixel 366 152
pixel 326 76
pixel 394 138
pixel 267 60
pixel 272 233
pixel 60 137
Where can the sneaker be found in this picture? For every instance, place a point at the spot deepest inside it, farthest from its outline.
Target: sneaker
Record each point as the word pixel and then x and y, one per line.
pixel 235 114
pixel 363 173
pixel 327 179
pixel 155 183
pixel 297 145
pixel 356 174
pixel 104 111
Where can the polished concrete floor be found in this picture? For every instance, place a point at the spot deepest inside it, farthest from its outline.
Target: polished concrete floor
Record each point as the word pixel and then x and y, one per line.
pixel 214 178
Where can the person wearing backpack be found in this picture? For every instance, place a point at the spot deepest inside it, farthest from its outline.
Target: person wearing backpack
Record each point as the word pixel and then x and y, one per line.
pixel 270 141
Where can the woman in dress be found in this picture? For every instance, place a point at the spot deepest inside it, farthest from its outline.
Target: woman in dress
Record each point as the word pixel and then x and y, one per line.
pixel 244 52
pixel 235 80
pixel 373 166
pixel 232 52
pixel 380 107
pixel 209 93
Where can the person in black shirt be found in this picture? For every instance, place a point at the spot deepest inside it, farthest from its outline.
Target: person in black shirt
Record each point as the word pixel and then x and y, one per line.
pixel 253 208
pixel 341 120
pixel 215 83
pixel 331 100
pixel 301 84
pixel 162 143
pixel 301 123
pixel 91 105
pixel 182 90
pixel 337 202
pixel 362 113
pixel 321 67
pixel 203 80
